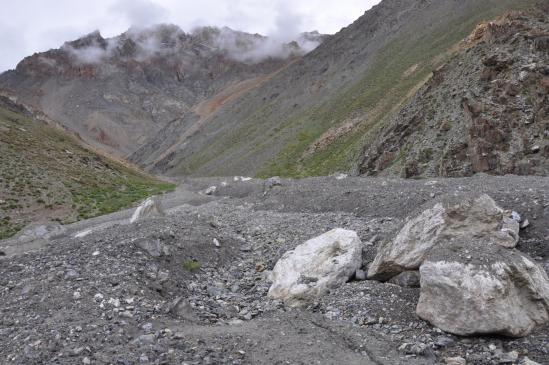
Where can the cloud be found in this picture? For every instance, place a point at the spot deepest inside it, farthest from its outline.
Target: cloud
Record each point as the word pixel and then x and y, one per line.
pixel 28 26
pixel 144 43
pixel 140 13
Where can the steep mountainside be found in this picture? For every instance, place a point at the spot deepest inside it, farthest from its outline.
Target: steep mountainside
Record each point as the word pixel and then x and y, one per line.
pixel 46 172
pixel 486 110
pixel 314 116
pixel 117 92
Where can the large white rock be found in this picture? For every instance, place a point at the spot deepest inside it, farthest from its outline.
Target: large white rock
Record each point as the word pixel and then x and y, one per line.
pixel 470 288
pixel 478 217
pixel 321 263
pixel 149 208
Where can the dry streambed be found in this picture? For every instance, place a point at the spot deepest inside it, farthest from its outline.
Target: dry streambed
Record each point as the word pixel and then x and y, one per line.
pixel 193 285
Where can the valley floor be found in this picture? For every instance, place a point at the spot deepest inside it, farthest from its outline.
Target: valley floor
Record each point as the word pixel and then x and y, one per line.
pixel 190 287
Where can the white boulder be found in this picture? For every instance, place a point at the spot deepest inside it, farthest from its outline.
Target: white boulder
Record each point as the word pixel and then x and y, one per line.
pixel 149 208
pixel 211 190
pixel 479 218
pixel 473 288
pixel 312 268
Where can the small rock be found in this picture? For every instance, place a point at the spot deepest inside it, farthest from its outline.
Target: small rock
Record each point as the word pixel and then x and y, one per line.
pixel 360 275
pixel 83 233
pixel 182 309
pixel 524 224
pixel 143 358
pixel 76 295
pixel 77 351
pixel 71 274
pixel 153 247
pixel 455 361
pixel 407 279
pixel 260 267
pixel 508 357
pixel 98 297
pixel 147 327
pixel 95 253
pixel 527 361
pixel 211 190
pixel 443 341
pixel 114 302
pixel 149 208
pixel 535 149
pixel 146 339
pixel 86 361
pixel 273 181
pixel 126 314
pixel 216 242
pixel 523 75
pixel 516 216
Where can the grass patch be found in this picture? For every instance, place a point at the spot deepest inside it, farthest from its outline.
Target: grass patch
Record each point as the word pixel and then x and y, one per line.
pixel 48 174
pixel 376 96
pixel 191 265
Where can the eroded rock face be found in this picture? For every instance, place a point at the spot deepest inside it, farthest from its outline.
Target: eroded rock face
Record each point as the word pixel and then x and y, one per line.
pixel 321 263
pixel 478 217
pixel 472 287
pixel 149 208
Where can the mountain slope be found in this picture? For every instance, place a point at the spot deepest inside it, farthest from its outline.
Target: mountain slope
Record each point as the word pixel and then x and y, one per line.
pixel 118 92
pixel 46 173
pixel 313 116
pixel 486 110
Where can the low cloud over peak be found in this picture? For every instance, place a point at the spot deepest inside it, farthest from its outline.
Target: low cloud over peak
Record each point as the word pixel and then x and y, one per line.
pixel 143 43
pixel 30 26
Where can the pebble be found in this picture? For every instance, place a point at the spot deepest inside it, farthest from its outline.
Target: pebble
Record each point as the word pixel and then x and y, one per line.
pixel 455 361
pixel 508 357
pixel 360 275
pixel 147 327
pixel 527 361
pixel 146 339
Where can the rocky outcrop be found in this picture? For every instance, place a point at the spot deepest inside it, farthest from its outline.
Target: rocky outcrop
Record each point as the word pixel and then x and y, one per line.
pixel 477 217
pixel 471 287
pixel 152 207
pixel 484 111
pixel 311 269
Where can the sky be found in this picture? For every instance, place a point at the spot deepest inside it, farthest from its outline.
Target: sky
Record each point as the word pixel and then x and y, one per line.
pixel 29 26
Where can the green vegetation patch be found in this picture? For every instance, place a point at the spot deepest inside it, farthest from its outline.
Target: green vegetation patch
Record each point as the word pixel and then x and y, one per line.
pixel 191 265
pixel 48 174
pixel 402 65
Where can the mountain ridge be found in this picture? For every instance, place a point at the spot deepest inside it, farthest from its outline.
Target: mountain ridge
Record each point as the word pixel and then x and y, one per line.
pixel 116 92
pixel 355 78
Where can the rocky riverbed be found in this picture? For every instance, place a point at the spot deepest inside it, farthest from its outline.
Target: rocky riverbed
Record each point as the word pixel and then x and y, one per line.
pixel 191 286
